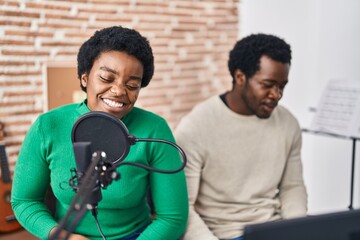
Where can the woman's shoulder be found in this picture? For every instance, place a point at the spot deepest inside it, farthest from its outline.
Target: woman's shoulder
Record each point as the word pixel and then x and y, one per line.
pixel 62 113
pixel 62 109
pixel 139 114
pixel 143 123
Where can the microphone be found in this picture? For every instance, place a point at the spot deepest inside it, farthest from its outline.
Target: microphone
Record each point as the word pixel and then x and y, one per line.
pixel 83 157
pixel 101 142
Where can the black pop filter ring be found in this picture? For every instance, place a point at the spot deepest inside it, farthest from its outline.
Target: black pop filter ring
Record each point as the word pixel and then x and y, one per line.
pixel 105 132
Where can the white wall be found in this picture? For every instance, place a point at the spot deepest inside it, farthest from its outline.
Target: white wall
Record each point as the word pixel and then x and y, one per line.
pixel 325 39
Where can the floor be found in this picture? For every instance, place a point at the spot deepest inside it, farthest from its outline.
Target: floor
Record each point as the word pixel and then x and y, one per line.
pixel 18 235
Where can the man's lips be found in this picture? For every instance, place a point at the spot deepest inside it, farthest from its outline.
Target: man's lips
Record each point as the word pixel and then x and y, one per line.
pixel 269 106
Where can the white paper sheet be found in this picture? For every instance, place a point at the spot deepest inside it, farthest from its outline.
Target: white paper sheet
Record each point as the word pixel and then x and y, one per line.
pixel 339 109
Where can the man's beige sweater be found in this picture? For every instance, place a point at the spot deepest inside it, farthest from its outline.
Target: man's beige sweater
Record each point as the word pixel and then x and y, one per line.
pixel 241 169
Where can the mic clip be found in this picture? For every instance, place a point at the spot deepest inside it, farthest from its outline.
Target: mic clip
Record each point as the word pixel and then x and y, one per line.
pixel 104 169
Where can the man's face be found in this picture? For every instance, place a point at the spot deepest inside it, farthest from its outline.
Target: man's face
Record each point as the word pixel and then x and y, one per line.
pixel 264 89
pixel 114 83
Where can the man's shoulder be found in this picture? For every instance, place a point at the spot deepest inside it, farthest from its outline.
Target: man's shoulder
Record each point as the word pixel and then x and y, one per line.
pixel 282 111
pixel 201 115
pixel 207 105
pixel 285 117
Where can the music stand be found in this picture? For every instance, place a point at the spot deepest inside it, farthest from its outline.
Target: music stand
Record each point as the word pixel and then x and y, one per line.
pixel 353 139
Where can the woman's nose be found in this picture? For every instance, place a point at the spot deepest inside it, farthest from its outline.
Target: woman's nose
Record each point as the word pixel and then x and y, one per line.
pixel 117 89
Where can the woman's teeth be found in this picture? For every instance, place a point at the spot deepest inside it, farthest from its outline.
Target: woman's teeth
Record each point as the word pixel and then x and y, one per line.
pixel 112 103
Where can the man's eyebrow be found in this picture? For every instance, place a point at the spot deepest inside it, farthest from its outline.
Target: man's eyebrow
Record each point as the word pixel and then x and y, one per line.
pixel 269 80
pixel 274 81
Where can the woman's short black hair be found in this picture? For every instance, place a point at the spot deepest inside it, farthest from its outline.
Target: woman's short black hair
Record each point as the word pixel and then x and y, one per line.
pixel 247 52
pixel 116 38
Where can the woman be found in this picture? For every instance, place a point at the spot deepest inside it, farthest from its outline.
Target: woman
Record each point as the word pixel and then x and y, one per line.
pixel 113 65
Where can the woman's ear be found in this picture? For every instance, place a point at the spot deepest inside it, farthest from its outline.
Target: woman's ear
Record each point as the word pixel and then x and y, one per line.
pixel 240 78
pixel 84 80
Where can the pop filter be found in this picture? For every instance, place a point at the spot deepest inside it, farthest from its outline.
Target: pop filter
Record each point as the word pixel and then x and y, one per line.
pixel 108 134
pixel 105 132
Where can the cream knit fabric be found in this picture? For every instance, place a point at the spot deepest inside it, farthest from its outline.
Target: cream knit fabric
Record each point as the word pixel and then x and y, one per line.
pixel 241 169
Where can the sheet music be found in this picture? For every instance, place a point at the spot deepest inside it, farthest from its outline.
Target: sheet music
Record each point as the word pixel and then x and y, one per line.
pixel 339 109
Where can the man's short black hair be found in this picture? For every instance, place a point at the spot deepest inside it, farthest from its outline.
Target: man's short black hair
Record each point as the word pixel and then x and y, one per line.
pixel 247 52
pixel 116 38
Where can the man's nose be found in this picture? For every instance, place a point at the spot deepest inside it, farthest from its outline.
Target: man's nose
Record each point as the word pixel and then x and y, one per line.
pixel 276 92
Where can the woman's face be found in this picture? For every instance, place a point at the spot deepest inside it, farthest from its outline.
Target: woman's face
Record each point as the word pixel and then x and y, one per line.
pixel 114 83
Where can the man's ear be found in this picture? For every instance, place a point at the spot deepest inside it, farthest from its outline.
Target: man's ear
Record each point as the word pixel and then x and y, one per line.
pixel 84 80
pixel 240 78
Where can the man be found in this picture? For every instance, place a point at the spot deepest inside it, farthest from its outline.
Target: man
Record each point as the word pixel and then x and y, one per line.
pixel 244 163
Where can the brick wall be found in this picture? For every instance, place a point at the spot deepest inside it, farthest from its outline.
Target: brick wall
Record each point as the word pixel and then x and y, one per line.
pixel 190 40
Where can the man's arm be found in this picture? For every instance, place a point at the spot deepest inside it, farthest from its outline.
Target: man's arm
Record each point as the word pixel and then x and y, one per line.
pixel 196 228
pixel 186 138
pixel 293 194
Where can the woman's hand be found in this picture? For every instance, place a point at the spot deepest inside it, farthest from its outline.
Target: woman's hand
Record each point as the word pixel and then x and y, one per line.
pixel 72 236
pixel 77 237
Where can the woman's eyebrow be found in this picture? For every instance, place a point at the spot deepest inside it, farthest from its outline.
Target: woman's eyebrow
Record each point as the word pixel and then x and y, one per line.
pixel 105 68
pixel 135 78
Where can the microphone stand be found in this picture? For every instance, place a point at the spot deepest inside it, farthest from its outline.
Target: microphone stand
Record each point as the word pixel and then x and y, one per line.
pixel 79 205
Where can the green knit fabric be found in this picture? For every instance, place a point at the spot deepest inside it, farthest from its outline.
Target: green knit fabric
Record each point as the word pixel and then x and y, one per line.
pixel 47 156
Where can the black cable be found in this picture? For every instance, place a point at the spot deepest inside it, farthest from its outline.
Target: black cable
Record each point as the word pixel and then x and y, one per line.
pixel 94 213
pixel 133 140
pixel 73 181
